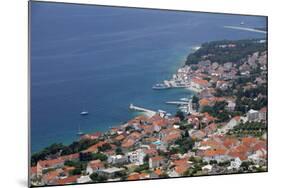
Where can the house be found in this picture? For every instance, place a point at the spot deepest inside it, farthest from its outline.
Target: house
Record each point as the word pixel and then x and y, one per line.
pixel 230 106
pixel 258 156
pixel 253 115
pixel 94 148
pixel 117 159
pixel 128 143
pixel 263 114
pixel 110 172
pixel 94 166
pixel 180 166
pixel 84 179
pixel 136 157
pixel 219 155
pixel 221 84
pixel 170 135
pixel 33 172
pixel 67 170
pixel 55 163
pixel 51 177
pixel 199 84
pixel 197 135
pixel 207 168
pixel 93 136
pixel 211 128
pixel 231 124
pixel 235 164
pixel 133 176
pixel 156 162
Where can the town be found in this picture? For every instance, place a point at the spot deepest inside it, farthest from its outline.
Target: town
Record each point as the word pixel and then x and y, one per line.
pixel 223 132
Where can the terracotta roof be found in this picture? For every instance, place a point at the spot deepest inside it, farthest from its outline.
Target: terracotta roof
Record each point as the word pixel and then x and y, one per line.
pixel 119 137
pixel 135 135
pixel 134 176
pixel 128 143
pixel 68 168
pixel 181 169
pixel 91 136
pixel 172 137
pixel 264 109
pixel 51 176
pixel 214 152
pixel 57 161
pixel 94 148
pixel 237 118
pixel 249 141
pixel 230 142
pixel 33 170
pixel 204 102
pixel 158 171
pixel 200 81
pixel 157 158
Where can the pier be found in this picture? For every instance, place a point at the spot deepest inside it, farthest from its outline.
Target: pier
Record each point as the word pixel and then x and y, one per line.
pixel 140 109
pixel 177 102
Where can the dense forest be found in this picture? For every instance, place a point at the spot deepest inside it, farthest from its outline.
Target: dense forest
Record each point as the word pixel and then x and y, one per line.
pixel 226 51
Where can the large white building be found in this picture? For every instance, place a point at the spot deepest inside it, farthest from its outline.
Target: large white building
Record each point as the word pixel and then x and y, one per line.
pixel 253 115
pixel 136 157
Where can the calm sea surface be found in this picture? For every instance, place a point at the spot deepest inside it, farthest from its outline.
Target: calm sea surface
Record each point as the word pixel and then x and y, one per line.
pixel 101 59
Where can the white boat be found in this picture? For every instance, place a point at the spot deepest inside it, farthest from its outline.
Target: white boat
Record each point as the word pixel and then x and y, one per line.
pixel 83 113
pixel 160 86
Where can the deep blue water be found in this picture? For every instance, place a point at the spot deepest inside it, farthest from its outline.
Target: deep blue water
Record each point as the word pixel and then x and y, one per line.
pixel 102 59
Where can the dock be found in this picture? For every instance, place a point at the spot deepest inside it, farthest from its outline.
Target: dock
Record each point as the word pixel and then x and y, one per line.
pixel 140 109
pixel 177 102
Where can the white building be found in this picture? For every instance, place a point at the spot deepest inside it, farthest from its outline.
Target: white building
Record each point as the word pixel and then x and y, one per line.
pixel 117 159
pixel 253 115
pixel 235 164
pixel 156 162
pixel 136 157
pixel 94 166
pixel 84 179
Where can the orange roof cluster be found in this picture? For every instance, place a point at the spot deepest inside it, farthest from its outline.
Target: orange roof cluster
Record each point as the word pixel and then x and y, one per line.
pixel 51 176
pixel 204 102
pixel 233 147
pixel 151 152
pixel 157 158
pixel 181 165
pixel 57 161
pixel 94 148
pixel 172 137
pixel 128 143
pixel 215 152
pixel 134 176
pixel 200 81
pixel 119 137
pixel 158 171
pixel 135 135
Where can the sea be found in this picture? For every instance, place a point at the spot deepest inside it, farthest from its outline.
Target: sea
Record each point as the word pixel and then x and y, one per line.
pixel 101 59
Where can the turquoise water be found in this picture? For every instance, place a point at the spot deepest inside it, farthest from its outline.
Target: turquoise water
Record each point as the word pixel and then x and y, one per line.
pixel 101 59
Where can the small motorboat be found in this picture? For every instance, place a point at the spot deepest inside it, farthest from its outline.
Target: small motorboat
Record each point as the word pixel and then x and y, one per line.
pixel 83 113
